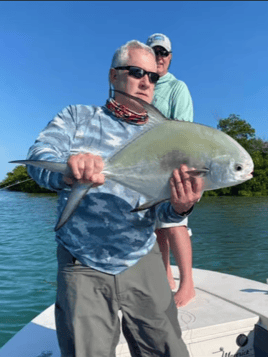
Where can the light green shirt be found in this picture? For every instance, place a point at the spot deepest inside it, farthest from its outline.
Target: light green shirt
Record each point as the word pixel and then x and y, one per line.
pixel 173 99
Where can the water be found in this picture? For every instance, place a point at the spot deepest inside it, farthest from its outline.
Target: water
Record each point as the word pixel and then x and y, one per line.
pixel 27 258
pixel 229 235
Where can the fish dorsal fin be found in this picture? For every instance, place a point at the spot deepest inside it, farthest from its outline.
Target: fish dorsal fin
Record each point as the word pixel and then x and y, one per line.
pixel 155 116
pixel 63 168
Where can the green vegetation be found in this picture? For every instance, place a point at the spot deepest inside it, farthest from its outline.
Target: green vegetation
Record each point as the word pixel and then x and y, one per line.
pixel 243 133
pixel 20 174
pixel 237 128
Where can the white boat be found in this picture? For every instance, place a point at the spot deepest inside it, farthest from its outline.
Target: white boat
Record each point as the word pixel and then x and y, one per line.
pixel 227 318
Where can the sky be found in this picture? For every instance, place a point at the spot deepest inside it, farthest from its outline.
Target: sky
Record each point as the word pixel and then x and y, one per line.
pixel 57 53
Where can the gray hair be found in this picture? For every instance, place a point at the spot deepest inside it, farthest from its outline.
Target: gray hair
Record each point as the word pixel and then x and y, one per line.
pixel 121 55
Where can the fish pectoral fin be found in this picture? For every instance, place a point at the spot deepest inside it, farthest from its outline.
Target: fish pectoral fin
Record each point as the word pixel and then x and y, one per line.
pixel 198 172
pixel 77 194
pixel 148 205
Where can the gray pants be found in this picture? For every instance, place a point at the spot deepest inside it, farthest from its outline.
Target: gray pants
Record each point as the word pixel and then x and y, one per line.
pixel 88 302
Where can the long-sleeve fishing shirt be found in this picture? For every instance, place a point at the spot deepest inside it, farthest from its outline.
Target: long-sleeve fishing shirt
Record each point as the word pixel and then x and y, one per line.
pixel 173 99
pixel 102 233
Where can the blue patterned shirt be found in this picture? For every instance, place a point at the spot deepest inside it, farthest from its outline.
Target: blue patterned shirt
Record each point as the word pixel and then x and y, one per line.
pixel 102 233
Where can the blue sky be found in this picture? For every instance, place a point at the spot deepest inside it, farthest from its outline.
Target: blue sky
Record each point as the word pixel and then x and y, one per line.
pixel 58 53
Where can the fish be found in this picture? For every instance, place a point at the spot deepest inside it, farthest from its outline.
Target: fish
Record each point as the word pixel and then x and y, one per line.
pixel 146 162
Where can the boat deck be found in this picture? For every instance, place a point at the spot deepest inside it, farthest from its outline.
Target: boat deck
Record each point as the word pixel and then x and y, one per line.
pixel 224 308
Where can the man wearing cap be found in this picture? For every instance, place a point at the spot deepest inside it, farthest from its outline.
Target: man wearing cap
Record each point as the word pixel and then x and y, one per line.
pixel 173 99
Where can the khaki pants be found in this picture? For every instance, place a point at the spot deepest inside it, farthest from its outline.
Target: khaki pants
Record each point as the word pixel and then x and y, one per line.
pixel 88 302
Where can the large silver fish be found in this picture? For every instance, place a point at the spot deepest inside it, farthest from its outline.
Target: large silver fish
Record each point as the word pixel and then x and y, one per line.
pixel 145 164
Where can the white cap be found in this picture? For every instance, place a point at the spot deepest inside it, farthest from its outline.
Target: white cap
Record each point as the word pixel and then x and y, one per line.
pixel 158 39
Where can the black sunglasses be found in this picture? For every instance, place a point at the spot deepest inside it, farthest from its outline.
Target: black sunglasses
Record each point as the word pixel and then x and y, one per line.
pixel 162 53
pixel 138 72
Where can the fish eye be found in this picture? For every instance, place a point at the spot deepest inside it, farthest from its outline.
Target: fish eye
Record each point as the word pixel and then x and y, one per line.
pixel 238 167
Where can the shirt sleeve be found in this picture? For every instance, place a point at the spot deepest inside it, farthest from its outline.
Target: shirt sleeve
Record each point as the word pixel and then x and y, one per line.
pixel 182 104
pixel 53 144
pixel 167 216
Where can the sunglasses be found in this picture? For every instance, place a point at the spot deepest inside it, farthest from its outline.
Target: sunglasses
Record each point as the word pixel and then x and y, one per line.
pixel 162 53
pixel 138 72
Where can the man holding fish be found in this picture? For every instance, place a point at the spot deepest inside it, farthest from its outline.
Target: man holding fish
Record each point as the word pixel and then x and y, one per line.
pixel 108 258
pixel 173 99
pixel 125 171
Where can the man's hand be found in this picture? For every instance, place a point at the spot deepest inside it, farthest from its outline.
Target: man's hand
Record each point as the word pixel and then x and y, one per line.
pixel 185 190
pixel 86 168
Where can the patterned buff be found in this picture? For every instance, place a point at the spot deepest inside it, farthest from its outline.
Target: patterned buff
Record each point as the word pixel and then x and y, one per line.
pixel 122 112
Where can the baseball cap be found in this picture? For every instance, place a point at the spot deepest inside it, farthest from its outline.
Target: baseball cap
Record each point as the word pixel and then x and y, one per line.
pixel 158 39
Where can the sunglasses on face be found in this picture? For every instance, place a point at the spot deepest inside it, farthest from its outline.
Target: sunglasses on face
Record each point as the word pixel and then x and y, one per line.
pixel 162 53
pixel 138 72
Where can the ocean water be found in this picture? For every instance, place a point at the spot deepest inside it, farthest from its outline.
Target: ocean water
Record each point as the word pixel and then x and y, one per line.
pixel 229 236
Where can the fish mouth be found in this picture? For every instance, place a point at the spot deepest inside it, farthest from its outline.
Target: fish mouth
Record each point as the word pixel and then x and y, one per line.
pixel 248 176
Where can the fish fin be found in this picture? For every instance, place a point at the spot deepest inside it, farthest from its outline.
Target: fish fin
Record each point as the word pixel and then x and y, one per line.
pixel 148 205
pixel 77 194
pixel 198 172
pixel 78 190
pixel 155 116
pixel 48 165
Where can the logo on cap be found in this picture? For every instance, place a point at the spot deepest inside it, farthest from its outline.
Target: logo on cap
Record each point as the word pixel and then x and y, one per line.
pixel 158 37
